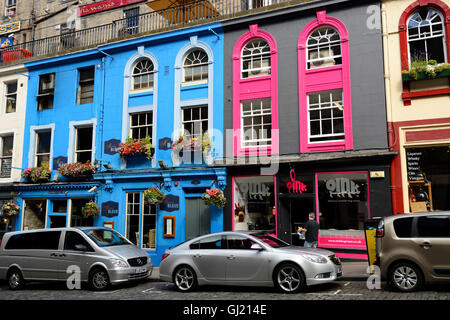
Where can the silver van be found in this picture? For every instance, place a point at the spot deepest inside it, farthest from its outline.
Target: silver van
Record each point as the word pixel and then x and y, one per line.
pixel 96 255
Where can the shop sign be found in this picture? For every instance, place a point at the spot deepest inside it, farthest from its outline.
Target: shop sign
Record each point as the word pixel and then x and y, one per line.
pixel 59 161
pixel 110 209
pixel 413 158
pixel 342 188
pixel 111 146
pixel 255 190
pixel 104 6
pixel 295 186
pixel 6 42
pixel 10 27
pixel 170 203
pixel 342 239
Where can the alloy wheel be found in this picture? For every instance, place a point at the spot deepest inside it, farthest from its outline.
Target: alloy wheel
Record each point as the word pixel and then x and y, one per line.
pixel 405 278
pixel 185 279
pixel 290 279
pixel 99 280
pixel 15 280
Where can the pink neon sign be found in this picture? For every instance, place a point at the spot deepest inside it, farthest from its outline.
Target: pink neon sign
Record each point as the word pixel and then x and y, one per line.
pixel 295 186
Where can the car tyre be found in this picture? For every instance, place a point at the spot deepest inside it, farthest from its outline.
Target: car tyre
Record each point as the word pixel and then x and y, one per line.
pixel 405 277
pixel 185 279
pixel 99 279
pixel 15 279
pixel 289 278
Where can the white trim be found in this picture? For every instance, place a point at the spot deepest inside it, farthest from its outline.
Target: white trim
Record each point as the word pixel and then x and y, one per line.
pixel 72 136
pixel 32 146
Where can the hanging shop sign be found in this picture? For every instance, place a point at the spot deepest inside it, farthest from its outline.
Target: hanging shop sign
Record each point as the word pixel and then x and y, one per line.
pixel 170 203
pixel 10 27
pixel 111 146
pixel 59 161
pixel 110 209
pixel 295 186
pixel 6 42
pixel 104 6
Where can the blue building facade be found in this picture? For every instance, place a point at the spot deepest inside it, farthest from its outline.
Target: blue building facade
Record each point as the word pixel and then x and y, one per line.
pixel 82 106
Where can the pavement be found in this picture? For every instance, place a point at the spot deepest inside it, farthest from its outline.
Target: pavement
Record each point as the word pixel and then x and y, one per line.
pixel 352 271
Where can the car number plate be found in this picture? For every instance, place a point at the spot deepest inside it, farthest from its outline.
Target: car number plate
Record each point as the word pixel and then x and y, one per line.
pixel 140 270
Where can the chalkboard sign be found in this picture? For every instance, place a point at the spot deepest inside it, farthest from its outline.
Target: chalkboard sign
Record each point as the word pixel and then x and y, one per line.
pixel 413 163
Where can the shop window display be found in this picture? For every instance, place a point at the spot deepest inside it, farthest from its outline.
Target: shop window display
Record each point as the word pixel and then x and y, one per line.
pixel 428 178
pixel 76 217
pixel 254 203
pixel 343 200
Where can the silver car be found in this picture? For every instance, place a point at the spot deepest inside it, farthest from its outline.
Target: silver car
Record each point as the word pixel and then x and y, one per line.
pixel 235 258
pixel 99 256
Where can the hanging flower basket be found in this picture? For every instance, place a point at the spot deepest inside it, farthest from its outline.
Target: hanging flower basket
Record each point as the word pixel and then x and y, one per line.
pixel 36 174
pixel 135 147
pixel 10 209
pixel 77 169
pixel 153 196
pixel 214 197
pixel 91 209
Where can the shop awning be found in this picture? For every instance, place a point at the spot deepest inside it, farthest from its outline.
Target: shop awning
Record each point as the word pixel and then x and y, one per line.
pixel 178 11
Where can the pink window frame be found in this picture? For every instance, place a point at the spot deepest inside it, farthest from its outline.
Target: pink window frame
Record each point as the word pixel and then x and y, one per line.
pixel 254 88
pixel 324 79
pixel 275 212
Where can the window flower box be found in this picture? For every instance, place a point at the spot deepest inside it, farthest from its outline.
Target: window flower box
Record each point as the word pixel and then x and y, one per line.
pixel 135 147
pixel 37 174
pixel 77 170
pixel 188 149
pixel 424 71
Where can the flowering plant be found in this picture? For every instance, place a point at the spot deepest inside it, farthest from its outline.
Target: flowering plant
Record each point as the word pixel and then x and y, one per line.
pixel 196 143
pixel 77 169
pixel 36 173
pixel 91 209
pixel 134 147
pixel 431 68
pixel 153 196
pixel 215 197
pixel 10 209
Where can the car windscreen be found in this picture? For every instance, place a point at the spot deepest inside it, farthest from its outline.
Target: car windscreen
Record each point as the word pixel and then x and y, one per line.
pixel 271 241
pixel 105 237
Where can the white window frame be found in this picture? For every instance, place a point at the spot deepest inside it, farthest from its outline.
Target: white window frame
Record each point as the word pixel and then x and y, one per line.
pixel 36 154
pixel 73 126
pixel 150 73
pixel 10 5
pixel 261 57
pixel 337 105
pixel 323 50
pixel 141 214
pixel 147 125
pixel 2 137
pixel 424 38
pixel 82 82
pixel 201 120
pixel 7 95
pixel 267 142
pixel 32 147
pixel 203 64
pixel 76 151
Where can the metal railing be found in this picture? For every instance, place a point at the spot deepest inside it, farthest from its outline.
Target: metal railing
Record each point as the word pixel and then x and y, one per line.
pixel 197 12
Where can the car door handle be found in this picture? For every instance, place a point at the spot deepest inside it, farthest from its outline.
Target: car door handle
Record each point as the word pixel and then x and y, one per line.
pixel 62 255
pixel 197 256
pixel 231 257
pixel 426 245
pixel 53 255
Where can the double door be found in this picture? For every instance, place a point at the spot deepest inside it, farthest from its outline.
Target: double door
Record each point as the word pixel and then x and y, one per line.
pixel 294 211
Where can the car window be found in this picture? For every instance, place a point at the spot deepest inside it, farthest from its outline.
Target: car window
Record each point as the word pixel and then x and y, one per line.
pixel 272 241
pixel 237 242
pixel 73 239
pixel 214 242
pixel 48 240
pixel 433 227
pixel 402 227
pixel 106 237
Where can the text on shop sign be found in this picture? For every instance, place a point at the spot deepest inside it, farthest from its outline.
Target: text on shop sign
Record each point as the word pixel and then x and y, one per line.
pixel 342 187
pixel 295 186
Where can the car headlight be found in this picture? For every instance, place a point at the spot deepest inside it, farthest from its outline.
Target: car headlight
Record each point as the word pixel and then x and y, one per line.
pixel 119 263
pixel 315 258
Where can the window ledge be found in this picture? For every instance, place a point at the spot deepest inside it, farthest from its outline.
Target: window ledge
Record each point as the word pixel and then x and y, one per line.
pixel 423 76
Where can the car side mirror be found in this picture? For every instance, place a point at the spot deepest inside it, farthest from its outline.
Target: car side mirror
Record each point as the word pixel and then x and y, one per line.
pixel 81 247
pixel 256 246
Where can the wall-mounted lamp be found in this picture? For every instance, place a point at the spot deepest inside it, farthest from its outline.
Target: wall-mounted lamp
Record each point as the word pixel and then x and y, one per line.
pixel 93 189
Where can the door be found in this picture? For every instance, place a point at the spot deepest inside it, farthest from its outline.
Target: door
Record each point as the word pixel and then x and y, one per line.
pixel 244 263
pixel 45 255
pixel 433 243
pixel 73 258
pixel 198 219
pixel 296 210
pixel 209 257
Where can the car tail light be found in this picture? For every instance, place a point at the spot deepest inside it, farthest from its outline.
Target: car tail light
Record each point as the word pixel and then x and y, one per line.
pixel 380 230
pixel 165 255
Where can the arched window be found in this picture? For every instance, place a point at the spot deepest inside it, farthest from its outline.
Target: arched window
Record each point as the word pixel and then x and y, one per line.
pixel 143 75
pixel 325 110
pixel 426 36
pixel 324 48
pixel 255 59
pixel 195 67
pixel 255 94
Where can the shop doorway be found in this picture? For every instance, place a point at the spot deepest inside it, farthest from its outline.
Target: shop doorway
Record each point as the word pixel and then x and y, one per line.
pixel 198 218
pixel 296 210
pixel 34 214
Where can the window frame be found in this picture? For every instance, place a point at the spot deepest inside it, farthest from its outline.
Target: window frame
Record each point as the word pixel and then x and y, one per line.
pixel 202 65
pixel 201 120
pixel 49 153
pixel 91 150
pixel 318 46
pixel 10 5
pixel 254 58
pixel 151 74
pixel 8 95
pixel 253 116
pixel 47 93
pixel 147 125
pixel 86 83
pixel 2 157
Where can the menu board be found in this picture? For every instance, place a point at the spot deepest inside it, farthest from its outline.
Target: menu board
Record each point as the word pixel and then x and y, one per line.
pixel 413 163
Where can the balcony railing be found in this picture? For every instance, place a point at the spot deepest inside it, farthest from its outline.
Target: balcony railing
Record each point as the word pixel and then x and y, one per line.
pixel 197 12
